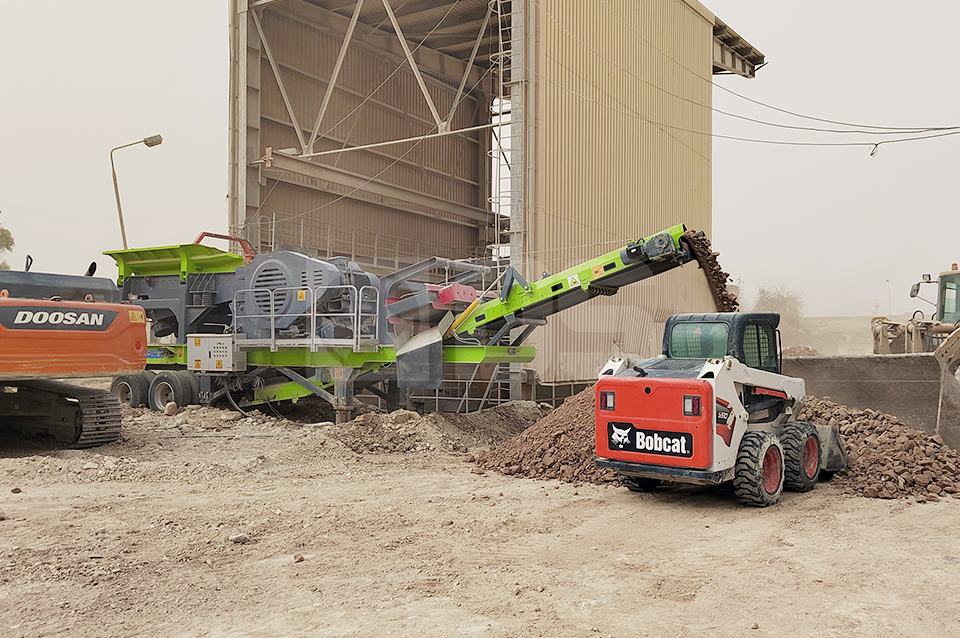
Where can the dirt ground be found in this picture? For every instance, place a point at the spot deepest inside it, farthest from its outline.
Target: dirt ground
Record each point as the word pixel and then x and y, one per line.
pixel 201 525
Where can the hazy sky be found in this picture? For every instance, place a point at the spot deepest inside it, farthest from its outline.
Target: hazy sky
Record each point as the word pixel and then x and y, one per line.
pixel 833 223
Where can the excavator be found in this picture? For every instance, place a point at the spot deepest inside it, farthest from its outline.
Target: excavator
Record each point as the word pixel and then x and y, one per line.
pixel 913 372
pixel 65 326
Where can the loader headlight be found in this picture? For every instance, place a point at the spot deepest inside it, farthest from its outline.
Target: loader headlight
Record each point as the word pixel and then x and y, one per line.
pixel 691 405
pixel 606 400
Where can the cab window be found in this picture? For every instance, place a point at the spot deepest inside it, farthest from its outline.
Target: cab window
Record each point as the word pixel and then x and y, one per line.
pixel 760 347
pixel 949 302
pixel 707 340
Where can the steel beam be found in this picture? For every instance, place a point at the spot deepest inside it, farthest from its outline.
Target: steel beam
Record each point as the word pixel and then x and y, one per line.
pixel 333 77
pixel 276 74
pixel 281 162
pixel 441 125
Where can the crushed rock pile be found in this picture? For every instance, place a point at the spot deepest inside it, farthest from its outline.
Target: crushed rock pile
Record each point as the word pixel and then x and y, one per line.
pixel 406 431
pixel 887 459
pixel 724 300
pixel 558 446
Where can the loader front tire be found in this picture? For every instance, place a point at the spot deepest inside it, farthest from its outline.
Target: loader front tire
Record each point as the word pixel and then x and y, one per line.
pixel 801 456
pixel 758 474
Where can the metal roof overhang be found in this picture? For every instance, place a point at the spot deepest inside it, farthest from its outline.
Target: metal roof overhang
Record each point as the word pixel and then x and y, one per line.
pixel 733 54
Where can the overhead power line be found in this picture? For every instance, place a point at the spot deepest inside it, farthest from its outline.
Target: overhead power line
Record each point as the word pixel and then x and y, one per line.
pixel 894 129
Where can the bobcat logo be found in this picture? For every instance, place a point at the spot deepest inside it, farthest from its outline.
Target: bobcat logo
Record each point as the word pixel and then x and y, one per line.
pixel 619 437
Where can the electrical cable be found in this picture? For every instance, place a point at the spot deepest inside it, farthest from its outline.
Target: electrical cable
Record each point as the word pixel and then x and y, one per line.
pixel 623 21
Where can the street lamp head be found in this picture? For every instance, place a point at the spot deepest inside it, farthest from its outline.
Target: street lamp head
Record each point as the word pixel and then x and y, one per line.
pixel 153 140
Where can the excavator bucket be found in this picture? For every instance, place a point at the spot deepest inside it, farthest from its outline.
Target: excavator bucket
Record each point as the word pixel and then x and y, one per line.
pixel 921 389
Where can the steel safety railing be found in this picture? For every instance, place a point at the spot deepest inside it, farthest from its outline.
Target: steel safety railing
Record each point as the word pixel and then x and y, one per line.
pixel 289 317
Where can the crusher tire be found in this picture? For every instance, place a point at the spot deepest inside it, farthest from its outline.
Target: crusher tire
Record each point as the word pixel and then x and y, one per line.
pixel 758 474
pixel 637 484
pixel 128 390
pixel 168 386
pixel 133 390
pixel 143 380
pixel 190 381
pixel 801 456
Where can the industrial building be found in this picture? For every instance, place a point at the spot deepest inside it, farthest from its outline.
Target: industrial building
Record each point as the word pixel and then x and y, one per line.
pixel 537 133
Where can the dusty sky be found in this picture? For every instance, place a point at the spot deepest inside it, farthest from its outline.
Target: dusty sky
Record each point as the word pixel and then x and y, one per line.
pixel 835 223
pixel 832 223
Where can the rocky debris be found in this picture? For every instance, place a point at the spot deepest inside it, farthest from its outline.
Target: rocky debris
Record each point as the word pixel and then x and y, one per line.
pixel 800 351
pixel 406 431
pixel 239 538
pixel 170 409
pixel 888 459
pixel 558 446
pixel 724 300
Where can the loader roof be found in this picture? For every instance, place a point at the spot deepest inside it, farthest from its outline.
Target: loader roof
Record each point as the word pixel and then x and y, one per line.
pixel 751 336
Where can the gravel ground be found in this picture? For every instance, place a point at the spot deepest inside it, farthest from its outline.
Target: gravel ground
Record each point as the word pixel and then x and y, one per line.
pixel 206 524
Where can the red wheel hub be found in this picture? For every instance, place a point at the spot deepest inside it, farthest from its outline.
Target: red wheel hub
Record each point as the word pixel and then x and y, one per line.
pixel 772 470
pixel 811 457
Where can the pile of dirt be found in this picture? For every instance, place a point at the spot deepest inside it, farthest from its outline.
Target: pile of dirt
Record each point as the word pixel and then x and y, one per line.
pixel 724 300
pixel 887 459
pixel 800 351
pixel 558 446
pixel 406 431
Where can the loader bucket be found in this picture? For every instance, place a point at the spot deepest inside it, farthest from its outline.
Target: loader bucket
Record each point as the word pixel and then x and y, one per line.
pixel 921 389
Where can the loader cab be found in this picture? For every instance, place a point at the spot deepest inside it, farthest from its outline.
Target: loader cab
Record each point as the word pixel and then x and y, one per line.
pixel 948 305
pixel 750 337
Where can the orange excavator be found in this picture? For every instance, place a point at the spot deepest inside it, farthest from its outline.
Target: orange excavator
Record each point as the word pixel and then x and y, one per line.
pixel 65 326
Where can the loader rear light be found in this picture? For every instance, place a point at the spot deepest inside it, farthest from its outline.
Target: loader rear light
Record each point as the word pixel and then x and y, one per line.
pixel 606 400
pixel 691 405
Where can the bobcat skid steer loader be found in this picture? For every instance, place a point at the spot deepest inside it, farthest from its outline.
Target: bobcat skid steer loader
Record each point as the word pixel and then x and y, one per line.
pixel 712 408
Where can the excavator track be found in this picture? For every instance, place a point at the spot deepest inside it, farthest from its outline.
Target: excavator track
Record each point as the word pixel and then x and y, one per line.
pixel 80 417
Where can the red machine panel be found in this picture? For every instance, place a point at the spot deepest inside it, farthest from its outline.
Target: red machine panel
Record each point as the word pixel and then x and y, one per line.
pixel 655 421
pixel 42 339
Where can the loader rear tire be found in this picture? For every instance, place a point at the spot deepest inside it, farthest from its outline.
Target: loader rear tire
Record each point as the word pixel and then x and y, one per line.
pixel 801 457
pixel 758 474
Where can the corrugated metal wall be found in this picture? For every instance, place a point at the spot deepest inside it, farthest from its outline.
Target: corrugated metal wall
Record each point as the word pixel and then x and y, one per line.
pixel 618 87
pixel 296 210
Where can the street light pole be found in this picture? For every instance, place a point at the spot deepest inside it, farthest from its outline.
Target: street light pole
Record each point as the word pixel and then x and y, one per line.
pixel 888 298
pixel 153 140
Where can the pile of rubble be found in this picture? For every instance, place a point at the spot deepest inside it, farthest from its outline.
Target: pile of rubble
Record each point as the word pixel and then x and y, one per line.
pixel 558 446
pixel 716 277
pixel 406 431
pixel 887 459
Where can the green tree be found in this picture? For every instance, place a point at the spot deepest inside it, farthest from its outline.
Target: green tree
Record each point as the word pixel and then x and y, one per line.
pixel 6 245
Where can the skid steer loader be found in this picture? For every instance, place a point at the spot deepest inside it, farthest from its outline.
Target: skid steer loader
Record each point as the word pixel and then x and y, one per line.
pixel 712 408
pixel 912 373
